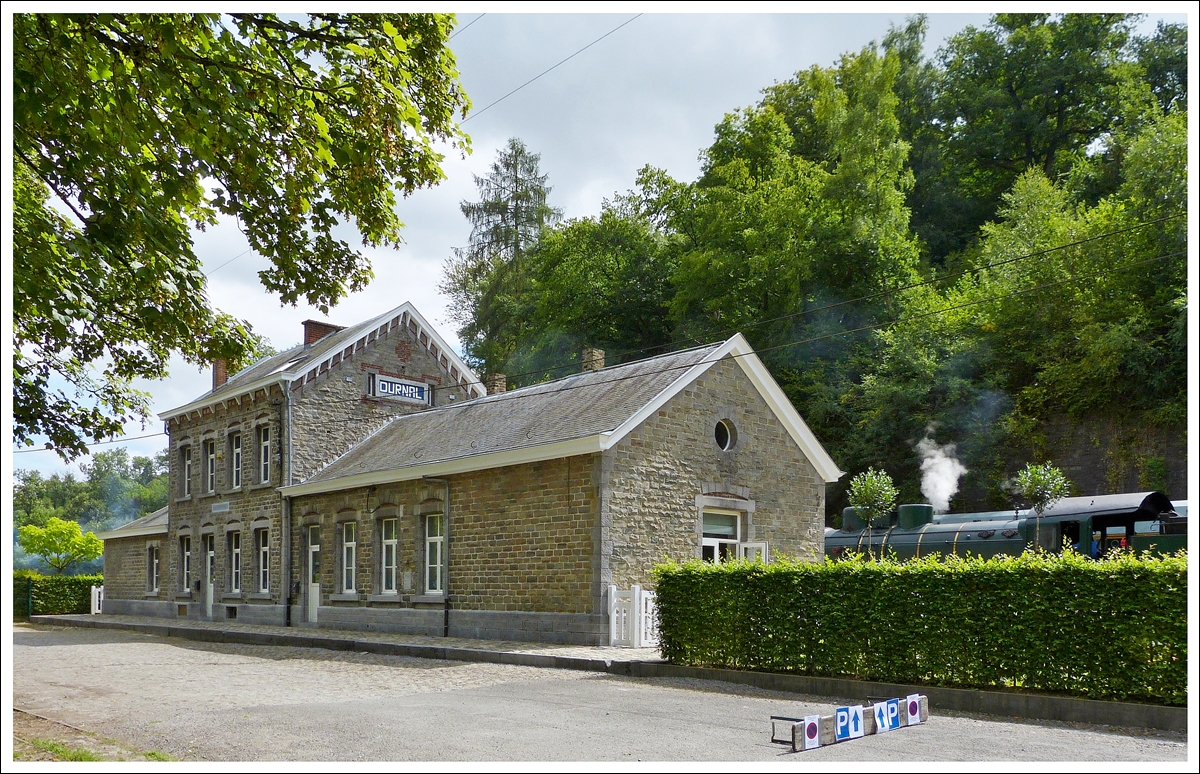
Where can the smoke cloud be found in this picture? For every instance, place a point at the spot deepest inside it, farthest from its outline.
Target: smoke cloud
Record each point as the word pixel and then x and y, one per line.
pixel 940 471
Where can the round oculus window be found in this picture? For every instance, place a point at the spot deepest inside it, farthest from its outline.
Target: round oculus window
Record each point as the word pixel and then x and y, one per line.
pixel 725 435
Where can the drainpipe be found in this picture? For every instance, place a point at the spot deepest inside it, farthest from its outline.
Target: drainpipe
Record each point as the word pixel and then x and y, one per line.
pixel 285 515
pixel 285 555
pixel 446 547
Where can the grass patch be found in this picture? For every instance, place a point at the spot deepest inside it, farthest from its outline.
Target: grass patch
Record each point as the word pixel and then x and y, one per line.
pixel 63 752
pixel 155 755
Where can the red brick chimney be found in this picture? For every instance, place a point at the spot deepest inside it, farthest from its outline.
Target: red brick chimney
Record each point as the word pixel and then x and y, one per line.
pixel 315 330
pixel 220 373
pixel 496 384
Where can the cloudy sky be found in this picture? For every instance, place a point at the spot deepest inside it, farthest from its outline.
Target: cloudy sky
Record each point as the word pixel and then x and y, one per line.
pixel 648 93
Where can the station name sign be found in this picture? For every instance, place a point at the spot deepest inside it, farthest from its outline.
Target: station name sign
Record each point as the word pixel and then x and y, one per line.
pixel 398 389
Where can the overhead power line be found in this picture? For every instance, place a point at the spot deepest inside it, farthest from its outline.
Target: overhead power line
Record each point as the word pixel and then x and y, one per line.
pixel 465 26
pixel 90 445
pixel 543 72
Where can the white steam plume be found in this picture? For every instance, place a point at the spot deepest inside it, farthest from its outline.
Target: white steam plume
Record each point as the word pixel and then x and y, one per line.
pixel 940 471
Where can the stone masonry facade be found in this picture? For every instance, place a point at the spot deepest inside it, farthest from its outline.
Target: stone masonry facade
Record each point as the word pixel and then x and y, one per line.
pixel 658 478
pixel 530 550
pixel 310 424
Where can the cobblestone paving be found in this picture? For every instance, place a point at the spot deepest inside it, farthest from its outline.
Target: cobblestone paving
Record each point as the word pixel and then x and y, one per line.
pixel 504 646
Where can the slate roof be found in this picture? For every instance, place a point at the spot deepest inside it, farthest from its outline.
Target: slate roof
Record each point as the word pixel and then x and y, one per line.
pixel 580 405
pixel 296 362
pixel 150 523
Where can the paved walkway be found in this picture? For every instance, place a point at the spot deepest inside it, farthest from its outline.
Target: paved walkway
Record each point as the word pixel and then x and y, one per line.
pixel 598 653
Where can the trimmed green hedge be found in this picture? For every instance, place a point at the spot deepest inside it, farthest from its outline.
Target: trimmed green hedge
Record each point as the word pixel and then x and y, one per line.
pixel 1113 629
pixel 54 594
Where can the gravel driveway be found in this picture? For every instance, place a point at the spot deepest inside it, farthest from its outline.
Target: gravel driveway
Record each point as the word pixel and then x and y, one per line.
pixel 202 701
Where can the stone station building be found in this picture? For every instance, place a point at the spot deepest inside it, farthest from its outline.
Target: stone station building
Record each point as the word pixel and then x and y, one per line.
pixel 506 516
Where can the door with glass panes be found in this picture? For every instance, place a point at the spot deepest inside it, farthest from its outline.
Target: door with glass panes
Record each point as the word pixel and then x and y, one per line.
pixel 314 572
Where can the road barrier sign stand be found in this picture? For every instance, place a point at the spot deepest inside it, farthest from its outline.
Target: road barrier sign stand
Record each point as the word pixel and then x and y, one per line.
pixel 848 723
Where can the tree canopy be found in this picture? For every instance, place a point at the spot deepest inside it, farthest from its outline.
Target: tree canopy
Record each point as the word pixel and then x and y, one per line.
pixel 60 543
pixel 131 130
pixel 486 281
pixel 961 249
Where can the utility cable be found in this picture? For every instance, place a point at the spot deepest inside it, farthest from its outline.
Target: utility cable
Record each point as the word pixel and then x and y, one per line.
pixel 547 70
pixel 464 27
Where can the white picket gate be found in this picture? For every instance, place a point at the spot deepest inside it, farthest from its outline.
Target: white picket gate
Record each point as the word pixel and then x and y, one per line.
pixel 97 600
pixel 632 618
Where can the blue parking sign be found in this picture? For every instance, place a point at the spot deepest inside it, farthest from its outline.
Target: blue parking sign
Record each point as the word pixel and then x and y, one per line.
pixel 893 714
pixel 847 723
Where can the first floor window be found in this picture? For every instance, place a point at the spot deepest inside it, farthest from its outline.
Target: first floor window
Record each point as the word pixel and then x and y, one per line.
pixel 388 565
pixel 210 466
pixel 264 560
pixel 235 561
pixel 435 556
pixel 185 559
pixel 349 555
pixel 264 454
pixel 185 471
pixel 235 460
pixel 152 570
pixel 721 536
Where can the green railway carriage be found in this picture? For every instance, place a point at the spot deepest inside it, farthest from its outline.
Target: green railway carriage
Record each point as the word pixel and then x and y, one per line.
pixel 1143 521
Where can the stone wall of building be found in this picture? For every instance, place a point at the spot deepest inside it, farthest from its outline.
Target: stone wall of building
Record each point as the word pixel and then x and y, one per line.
pixel 521 538
pixel 255 504
pixel 652 479
pixel 126 567
pixel 333 411
pixel 317 420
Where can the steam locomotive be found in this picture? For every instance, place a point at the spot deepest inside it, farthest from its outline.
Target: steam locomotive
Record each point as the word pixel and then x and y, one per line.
pixel 1094 526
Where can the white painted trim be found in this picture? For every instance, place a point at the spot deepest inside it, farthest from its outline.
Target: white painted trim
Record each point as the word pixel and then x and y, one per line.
pixel 589 444
pixel 286 377
pixel 208 399
pixel 117 534
pixel 768 388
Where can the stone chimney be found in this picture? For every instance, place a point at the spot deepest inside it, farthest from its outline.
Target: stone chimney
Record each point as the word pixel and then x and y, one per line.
pixel 496 384
pixel 593 359
pixel 220 373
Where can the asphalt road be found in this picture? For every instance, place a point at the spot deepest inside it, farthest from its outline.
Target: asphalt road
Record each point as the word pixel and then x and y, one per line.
pixel 202 701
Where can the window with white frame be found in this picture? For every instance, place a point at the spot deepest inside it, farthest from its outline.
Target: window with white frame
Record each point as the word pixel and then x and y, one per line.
pixel 210 466
pixel 389 544
pixel 435 554
pixel 235 460
pixel 264 560
pixel 210 554
pixel 185 471
pixel 235 561
pixel 185 561
pixel 349 556
pixel 721 535
pixel 264 454
pixel 152 560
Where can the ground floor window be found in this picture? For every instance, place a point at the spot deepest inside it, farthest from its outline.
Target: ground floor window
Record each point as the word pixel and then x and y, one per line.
pixel 349 556
pixel 152 570
pixel 185 561
pixel 388 542
pixel 721 535
pixel 235 561
pixel 264 560
pixel 435 556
